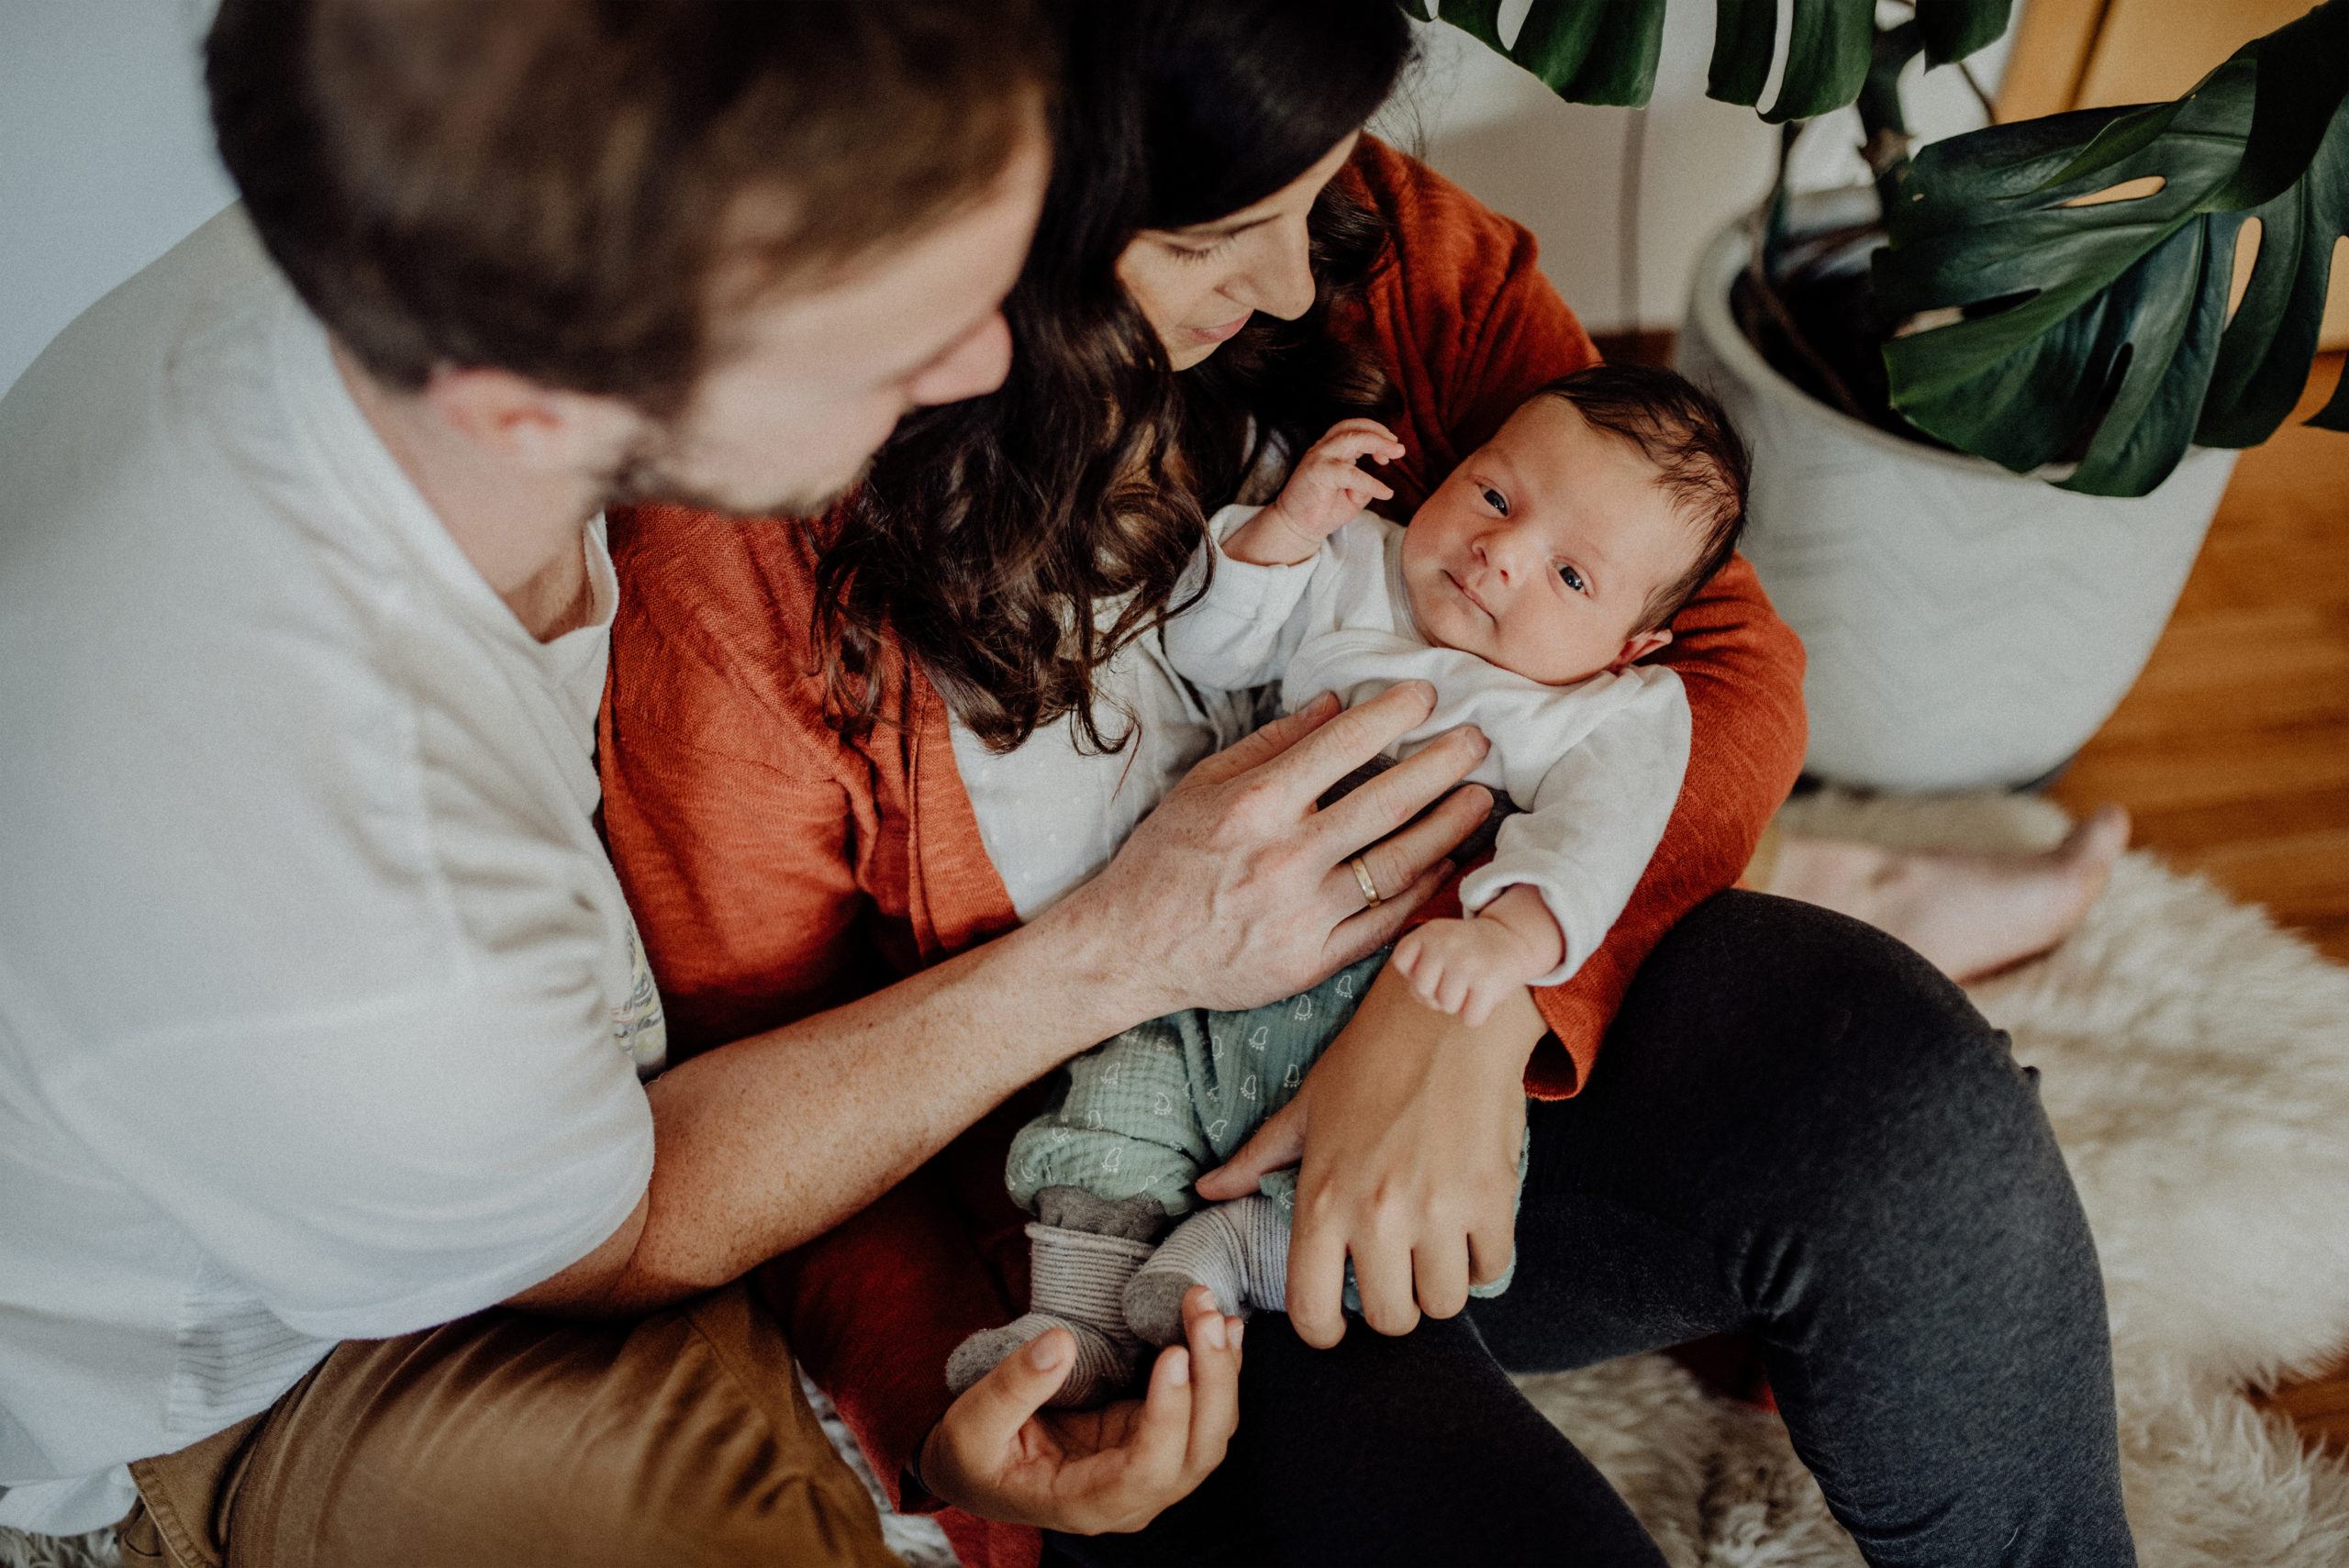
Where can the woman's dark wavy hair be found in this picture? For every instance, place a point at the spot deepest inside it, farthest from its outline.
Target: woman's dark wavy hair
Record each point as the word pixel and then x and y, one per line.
pixel 989 530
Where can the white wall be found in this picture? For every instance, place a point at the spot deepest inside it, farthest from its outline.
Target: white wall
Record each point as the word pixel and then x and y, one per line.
pixel 1563 168
pixel 106 156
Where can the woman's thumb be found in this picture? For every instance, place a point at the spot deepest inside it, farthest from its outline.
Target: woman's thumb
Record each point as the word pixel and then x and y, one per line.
pixel 1279 1144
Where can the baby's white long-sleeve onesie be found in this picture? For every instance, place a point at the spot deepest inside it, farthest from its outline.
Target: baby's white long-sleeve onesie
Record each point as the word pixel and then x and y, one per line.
pixel 1594 766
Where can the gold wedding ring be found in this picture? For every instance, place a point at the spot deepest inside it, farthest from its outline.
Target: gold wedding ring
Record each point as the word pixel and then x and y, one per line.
pixel 1369 888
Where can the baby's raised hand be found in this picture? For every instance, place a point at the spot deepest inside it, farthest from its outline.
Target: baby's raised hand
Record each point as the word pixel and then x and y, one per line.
pixel 1468 967
pixel 1326 488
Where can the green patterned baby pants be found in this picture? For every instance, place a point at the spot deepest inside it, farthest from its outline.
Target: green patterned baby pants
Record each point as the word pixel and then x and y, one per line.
pixel 1156 1108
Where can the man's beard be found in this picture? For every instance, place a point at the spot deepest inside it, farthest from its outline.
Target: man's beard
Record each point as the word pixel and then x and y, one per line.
pixel 645 475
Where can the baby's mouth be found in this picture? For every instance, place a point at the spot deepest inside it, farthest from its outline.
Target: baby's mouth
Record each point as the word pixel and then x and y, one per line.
pixel 1469 593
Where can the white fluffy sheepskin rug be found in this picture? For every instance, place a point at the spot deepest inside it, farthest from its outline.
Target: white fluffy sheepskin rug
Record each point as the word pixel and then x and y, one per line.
pixel 2196 1064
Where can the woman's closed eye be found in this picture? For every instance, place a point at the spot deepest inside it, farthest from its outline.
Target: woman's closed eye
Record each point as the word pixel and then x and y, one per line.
pixel 1573 578
pixel 1197 252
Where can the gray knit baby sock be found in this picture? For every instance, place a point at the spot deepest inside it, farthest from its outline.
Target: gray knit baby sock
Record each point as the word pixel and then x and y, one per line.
pixel 1238 1249
pixel 1076 1280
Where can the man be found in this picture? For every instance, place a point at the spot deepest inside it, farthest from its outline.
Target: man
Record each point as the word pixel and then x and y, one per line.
pixel 321 1015
pixel 318 1001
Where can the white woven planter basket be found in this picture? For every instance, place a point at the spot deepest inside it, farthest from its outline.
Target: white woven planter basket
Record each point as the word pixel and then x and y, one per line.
pixel 1967 627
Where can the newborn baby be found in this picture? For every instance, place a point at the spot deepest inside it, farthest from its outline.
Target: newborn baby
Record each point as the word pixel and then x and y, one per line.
pixel 1525 590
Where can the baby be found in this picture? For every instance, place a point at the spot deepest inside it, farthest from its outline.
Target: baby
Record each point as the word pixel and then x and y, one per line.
pixel 1525 591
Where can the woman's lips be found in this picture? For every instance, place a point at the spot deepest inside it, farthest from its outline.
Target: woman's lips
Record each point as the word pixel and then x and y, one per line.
pixel 1216 334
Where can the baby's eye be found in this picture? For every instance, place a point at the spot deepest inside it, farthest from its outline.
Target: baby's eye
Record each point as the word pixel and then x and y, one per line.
pixel 1574 579
pixel 1495 500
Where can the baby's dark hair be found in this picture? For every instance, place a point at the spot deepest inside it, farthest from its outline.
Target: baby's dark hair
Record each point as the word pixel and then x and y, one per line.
pixel 1699 457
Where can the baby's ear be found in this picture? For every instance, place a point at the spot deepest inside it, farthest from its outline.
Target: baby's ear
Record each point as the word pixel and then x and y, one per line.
pixel 1640 644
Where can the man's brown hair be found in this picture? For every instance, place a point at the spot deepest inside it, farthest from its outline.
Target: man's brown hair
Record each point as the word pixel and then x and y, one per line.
pixel 555 188
pixel 1700 459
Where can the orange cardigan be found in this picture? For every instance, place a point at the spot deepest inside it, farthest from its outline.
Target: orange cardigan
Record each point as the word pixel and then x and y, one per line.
pixel 777 870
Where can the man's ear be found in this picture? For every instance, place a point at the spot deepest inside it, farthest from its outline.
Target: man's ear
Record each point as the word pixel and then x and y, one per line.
pixel 1640 644
pixel 523 423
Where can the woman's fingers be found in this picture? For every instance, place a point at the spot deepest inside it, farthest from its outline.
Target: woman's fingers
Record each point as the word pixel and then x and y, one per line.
pixel 1317 1281
pixel 1390 1304
pixel 1440 1273
pixel 1277 1145
pixel 1490 1251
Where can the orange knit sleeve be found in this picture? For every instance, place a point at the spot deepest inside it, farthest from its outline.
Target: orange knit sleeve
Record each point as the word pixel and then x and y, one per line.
pixel 1468 327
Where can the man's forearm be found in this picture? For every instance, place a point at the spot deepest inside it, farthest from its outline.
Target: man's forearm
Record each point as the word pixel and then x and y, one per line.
pixel 766 1143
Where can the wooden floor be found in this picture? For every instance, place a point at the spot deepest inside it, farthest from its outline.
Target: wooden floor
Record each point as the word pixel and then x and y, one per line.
pixel 2232 750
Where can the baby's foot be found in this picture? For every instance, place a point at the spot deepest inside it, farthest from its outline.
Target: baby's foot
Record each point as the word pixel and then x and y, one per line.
pixel 1103 1366
pixel 1238 1249
pixel 1076 1281
pixel 1968 914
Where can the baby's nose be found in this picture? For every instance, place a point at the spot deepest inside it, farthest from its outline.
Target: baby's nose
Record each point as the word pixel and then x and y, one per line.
pixel 1503 549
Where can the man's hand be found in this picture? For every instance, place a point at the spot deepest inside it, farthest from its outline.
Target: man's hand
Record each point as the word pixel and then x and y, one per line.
pixel 1408 1128
pixel 999 1454
pixel 1470 967
pixel 1325 489
pixel 1236 890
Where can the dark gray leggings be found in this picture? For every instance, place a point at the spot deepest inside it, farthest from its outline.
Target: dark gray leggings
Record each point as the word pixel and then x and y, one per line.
pixel 1796 1129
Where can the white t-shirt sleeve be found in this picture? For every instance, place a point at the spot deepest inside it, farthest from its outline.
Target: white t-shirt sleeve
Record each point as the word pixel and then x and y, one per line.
pixel 1243 629
pixel 1593 820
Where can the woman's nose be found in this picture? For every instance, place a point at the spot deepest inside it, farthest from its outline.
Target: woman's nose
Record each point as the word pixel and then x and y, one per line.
pixel 1276 276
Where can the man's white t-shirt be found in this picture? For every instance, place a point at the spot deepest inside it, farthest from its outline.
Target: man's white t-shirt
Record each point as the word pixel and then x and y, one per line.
pixel 318 994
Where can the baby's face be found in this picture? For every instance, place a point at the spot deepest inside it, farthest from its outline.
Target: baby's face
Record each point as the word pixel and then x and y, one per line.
pixel 1539 552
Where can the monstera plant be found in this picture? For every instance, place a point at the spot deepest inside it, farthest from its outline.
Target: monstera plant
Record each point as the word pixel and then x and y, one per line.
pixel 1910 359
pixel 2090 334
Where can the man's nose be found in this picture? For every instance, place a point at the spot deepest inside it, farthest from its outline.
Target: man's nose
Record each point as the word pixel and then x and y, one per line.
pixel 976 366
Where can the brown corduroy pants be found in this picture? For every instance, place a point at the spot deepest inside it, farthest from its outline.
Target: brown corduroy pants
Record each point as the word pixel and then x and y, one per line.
pixel 508 1441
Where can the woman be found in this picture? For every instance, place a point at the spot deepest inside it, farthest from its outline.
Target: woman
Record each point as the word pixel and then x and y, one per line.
pixel 932 716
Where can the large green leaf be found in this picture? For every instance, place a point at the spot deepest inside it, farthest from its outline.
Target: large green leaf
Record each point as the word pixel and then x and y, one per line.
pixel 1594 51
pixel 1827 55
pixel 1955 29
pixel 1604 51
pixel 2109 321
pixel 1586 51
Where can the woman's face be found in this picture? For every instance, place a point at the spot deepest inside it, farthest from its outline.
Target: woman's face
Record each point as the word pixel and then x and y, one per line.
pixel 1198 286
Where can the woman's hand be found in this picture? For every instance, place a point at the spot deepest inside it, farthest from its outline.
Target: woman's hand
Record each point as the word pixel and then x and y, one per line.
pixel 1237 891
pixel 998 1454
pixel 1408 1128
